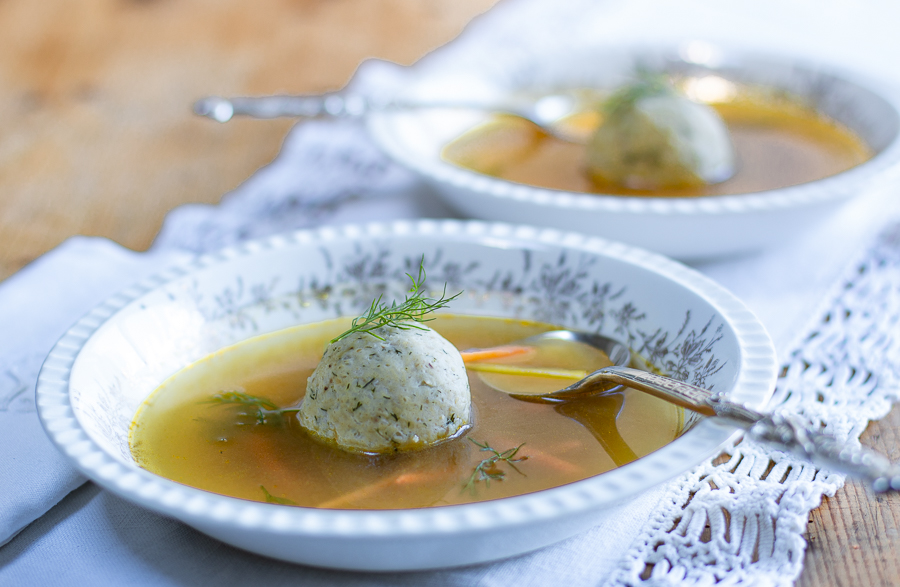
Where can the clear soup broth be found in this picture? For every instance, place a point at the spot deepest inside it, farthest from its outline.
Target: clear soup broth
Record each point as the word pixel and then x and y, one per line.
pixel 778 143
pixel 222 448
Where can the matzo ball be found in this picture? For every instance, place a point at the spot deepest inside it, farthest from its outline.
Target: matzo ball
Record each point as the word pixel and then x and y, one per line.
pixel 407 391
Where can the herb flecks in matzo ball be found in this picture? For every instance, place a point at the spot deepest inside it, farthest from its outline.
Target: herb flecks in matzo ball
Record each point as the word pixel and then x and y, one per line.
pixel 397 390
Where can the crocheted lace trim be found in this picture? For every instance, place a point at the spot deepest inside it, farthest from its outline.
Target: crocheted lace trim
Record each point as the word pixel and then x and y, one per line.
pixel 742 516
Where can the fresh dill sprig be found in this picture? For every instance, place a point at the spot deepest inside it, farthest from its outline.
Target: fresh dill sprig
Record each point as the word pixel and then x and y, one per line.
pixel 263 409
pixel 406 315
pixel 647 84
pixel 487 470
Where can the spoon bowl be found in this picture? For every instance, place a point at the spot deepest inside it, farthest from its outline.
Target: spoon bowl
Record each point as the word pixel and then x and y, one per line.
pixel 611 378
pixel 780 431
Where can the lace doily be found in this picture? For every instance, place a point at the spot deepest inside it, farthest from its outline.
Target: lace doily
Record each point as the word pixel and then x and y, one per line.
pixel 322 167
pixel 742 516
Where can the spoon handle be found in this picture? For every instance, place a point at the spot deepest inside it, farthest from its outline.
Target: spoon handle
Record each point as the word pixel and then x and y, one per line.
pixel 779 431
pixel 674 391
pixel 790 435
pixel 333 104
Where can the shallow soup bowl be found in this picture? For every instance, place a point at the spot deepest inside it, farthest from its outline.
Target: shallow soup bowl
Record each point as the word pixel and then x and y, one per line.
pixel 106 365
pixel 687 228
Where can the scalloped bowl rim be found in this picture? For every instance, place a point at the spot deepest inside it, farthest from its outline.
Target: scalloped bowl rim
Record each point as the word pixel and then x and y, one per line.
pixel 754 383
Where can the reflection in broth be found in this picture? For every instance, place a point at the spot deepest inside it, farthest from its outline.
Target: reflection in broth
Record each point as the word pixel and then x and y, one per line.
pixel 778 143
pixel 223 448
pixel 598 415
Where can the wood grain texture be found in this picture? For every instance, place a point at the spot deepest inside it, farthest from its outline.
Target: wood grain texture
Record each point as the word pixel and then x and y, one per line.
pixel 854 537
pixel 96 134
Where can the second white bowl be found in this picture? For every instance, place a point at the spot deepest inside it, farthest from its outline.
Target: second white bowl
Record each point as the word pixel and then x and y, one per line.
pixel 685 228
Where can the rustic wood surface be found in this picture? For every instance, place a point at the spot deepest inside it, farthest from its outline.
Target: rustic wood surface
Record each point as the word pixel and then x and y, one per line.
pixel 854 537
pixel 96 138
pixel 96 133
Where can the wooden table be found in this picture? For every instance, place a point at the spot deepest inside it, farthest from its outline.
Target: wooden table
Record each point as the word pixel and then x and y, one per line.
pixel 96 131
pixel 97 138
pixel 854 537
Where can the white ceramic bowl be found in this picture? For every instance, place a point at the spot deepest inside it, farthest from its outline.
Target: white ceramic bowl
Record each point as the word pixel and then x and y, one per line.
pixel 99 373
pixel 684 228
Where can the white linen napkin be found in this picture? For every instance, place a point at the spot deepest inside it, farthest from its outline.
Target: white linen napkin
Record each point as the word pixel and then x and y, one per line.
pixel 36 306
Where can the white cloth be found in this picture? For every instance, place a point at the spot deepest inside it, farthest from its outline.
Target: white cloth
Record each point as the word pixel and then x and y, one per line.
pixel 330 173
pixel 35 306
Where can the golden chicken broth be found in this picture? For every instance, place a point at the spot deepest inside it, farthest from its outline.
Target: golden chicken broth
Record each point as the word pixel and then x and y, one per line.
pixel 778 143
pixel 222 448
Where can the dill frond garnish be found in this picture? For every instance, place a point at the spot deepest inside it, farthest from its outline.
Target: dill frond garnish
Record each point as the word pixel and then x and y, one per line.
pixel 647 84
pixel 274 499
pixel 264 410
pixel 487 469
pixel 405 315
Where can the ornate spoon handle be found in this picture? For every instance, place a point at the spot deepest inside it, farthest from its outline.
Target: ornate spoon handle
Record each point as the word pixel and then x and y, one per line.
pixel 779 431
pixel 340 104
pixel 334 104
pixel 545 111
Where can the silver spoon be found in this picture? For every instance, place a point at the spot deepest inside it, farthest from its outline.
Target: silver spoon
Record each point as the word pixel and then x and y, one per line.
pixel 545 111
pixel 780 431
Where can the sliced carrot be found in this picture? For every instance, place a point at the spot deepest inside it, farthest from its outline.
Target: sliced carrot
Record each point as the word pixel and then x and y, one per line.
pixel 407 478
pixel 555 462
pixel 368 490
pixel 497 352
pixel 528 371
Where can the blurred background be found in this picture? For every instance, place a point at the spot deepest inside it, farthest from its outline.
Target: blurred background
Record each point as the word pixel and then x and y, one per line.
pixel 96 131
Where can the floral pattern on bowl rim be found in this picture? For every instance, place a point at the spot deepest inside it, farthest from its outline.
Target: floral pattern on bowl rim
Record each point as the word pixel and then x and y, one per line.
pixel 104 367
